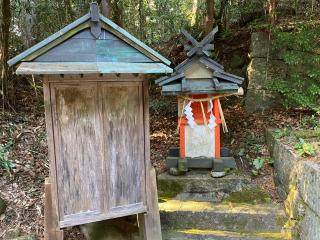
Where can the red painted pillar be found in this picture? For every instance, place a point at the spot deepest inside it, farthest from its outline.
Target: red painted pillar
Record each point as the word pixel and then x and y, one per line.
pixel 183 123
pixel 217 130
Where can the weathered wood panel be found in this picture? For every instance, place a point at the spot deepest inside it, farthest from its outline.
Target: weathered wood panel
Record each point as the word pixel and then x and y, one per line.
pixel 79 156
pixel 52 230
pixel 149 223
pixel 211 64
pixel 122 111
pixel 229 77
pixel 72 50
pixel 83 47
pixel 107 35
pixel 118 51
pixel 85 218
pixel 56 42
pixel 99 146
pixel 49 40
pixel 90 68
pixel 86 34
pixel 171 79
pixel 51 202
pixel 200 85
pixel 198 70
pixel 118 31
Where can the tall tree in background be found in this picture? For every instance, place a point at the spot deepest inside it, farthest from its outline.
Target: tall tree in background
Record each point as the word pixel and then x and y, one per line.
pixel 112 10
pixel 142 20
pixel 194 12
pixel 209 21
pixel 221 18
pixel 5 35
pixel 117 12
pixel 105 8
pixel 271 9
pixel 69 10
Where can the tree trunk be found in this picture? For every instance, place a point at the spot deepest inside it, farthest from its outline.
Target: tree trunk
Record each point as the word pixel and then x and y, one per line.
pixel 112 10
pixel 69 11
pixel 272 5
pixel 221 16
pixel 194 12
pixel 142 20
pixel 199 20
pixel 105 8
pixel 117 13
pixel 5 35
pixel 210 16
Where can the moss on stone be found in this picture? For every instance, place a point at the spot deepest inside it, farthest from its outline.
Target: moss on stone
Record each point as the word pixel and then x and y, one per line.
pixel 281 220
pixel 170 188
pixel 220 233
pixel 307 133
pixel 2 206
pixel 250 196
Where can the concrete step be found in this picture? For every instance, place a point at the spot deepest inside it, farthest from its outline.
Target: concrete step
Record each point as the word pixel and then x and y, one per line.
pixel 195 234
pixel 176 214
pixel 199 186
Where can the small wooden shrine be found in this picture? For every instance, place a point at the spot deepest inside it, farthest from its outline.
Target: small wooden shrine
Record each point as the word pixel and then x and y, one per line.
pixel 200 82
pixel 97 119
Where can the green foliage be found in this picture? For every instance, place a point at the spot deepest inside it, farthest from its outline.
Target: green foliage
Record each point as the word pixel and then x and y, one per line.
pixel 240 10
pixel 252 151
pixel 281 133
pixel 257 164
pixel 257 148
pixel 310 122
pixel 152 21
pixel 307 133
pixel 162 107
pixel 301 87
pixel 241 152
pixel 305 149
pixel 270 161
pixel 250 139
pixel 5 163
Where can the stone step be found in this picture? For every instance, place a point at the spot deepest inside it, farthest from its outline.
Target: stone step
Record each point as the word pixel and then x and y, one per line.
pixel 195 234
pixel 176 214
pixel 199 185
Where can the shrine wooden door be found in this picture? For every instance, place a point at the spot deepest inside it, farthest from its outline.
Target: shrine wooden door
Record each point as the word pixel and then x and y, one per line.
pixel 98 135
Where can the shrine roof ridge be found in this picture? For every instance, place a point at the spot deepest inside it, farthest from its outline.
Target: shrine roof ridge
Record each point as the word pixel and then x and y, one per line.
pixel 75 27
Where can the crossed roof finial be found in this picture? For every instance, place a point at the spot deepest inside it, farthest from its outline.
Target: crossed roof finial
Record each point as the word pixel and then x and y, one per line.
pixel 199 48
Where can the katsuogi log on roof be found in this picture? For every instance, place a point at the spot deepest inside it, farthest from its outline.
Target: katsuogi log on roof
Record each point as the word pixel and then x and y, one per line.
pixel 199 74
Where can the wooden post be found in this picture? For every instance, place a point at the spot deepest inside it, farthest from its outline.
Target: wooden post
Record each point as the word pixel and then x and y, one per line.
pixel 52 231
pixel 149 223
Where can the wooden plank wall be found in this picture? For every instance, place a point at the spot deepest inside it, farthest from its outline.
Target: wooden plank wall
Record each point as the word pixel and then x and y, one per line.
pixel 98 131
pixel 78 152
pixel 122 111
